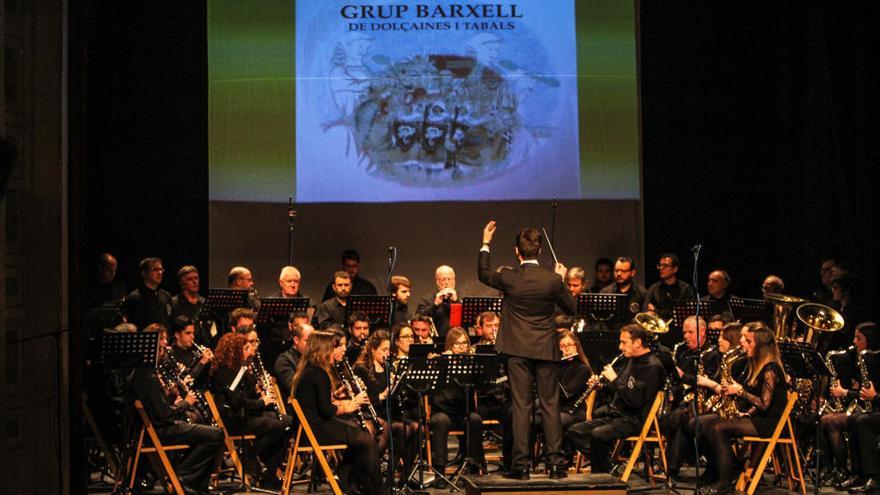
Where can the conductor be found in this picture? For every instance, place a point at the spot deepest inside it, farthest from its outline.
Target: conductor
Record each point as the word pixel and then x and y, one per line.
pixel 529 340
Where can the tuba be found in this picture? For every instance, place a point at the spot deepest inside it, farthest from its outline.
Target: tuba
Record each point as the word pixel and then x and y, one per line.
pixel 818 319
pixel 652 323
pixel 783 307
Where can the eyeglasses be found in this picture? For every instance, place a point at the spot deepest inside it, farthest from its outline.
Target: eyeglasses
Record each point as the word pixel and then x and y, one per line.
pixel 462 343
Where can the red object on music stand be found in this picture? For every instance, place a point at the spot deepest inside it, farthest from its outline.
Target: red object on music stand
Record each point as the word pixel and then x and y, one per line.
pixel 455 314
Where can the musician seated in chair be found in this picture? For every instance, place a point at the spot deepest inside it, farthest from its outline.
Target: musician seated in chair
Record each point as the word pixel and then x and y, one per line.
pixel 248 404
pixel 635 388
pixel 674 423
pixel 195 359
pixel 574 373
pixel 168 417
pixel 314 386
pixel 761 400
pixel 863 425
pixel 448 410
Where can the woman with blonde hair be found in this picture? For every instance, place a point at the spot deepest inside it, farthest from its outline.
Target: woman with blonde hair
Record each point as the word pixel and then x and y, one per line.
pixel 761 399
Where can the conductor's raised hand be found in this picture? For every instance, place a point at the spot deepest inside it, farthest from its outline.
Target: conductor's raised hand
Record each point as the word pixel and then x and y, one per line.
pixel 560 270
pixel 488 232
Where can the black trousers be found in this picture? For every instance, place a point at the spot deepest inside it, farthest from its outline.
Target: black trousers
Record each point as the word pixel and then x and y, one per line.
pixel 597 437
pixel 206 444
pixel 441 423
pixel 679 439
pixel 522 374
pixel 864 431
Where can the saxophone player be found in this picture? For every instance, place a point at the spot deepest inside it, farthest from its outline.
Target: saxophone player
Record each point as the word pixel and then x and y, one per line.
pixel 762 397
pixel 863 428
pixel 694 356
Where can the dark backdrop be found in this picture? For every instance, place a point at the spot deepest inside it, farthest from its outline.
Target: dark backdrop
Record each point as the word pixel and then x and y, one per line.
pixel 759 137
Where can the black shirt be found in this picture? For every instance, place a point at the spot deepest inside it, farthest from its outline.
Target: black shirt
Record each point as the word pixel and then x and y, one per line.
pixel 285 368
pixel 573 376
pixel 145 306
pixel 146 387
pixel 664 296
pixel 180 305
pixel 637 295
pixel 330 311
pixel 637 385
pixel 719 306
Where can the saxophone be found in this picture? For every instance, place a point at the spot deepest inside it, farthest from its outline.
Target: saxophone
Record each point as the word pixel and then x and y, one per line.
pixel 697 390
pixel 725 405
pixel 834 404
pixel 858 404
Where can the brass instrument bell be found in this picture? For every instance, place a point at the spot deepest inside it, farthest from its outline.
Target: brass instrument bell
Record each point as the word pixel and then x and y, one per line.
pixel 783 324
pixel 818 319
pixel 652 323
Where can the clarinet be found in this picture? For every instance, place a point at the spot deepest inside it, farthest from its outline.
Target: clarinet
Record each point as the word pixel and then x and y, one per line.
pixel 179 379
pixel 266 383
pixel 357 389
pixel 359 413
pixel 574 407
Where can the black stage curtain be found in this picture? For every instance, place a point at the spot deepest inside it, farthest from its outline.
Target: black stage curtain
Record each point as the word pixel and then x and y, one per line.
pixel 760 138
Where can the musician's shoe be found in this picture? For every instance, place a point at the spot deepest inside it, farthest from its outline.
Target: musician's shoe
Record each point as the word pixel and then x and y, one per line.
pixel 852 482
pixel 517 474
pixel 718 488
pixel 870 485
pixel 557 472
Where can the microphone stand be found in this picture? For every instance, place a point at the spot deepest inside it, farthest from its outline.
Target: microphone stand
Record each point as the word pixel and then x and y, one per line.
pixel 291 213
pixel 553 222
pixel 695 250
pixel 388 419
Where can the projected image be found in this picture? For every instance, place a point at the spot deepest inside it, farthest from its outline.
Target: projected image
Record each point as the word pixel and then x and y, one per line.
pixel 431 103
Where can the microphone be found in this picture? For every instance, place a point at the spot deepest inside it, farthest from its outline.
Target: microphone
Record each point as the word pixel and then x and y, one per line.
pixel 391 250
pixel 695 249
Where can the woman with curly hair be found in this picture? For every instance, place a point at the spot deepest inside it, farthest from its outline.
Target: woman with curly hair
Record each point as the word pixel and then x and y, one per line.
pixel 248 410
pixel 313 386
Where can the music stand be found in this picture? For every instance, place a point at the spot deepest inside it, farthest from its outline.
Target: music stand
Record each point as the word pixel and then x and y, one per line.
pixel 469 371
pixel 126 351
pixel 471 307
pixel 377 308
pixel 421 376
pixel 801 361
pixel 602 309
pixel 600 347
pixel 422 350
pixel 685 309
pixel 746 310
pixel 277 310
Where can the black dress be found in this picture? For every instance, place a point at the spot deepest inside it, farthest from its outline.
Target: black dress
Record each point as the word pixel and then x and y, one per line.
pixel 360 461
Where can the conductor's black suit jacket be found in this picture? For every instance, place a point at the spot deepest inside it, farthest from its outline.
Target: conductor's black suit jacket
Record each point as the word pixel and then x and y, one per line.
pixel 531 294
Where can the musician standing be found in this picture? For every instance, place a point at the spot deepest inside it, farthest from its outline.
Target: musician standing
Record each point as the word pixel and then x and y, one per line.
pixel 529 340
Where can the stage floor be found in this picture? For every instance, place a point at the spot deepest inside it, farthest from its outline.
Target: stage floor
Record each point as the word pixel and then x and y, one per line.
pixel 635 483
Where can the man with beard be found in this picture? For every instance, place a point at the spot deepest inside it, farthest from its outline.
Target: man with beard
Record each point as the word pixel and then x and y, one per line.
pixel 351 263
pixel 624 271
pixel 401 289
pixel 333 310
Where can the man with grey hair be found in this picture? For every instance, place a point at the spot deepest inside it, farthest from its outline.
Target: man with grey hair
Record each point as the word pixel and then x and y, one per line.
pixel 576 281
pixel 437 305
pixel 290 283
